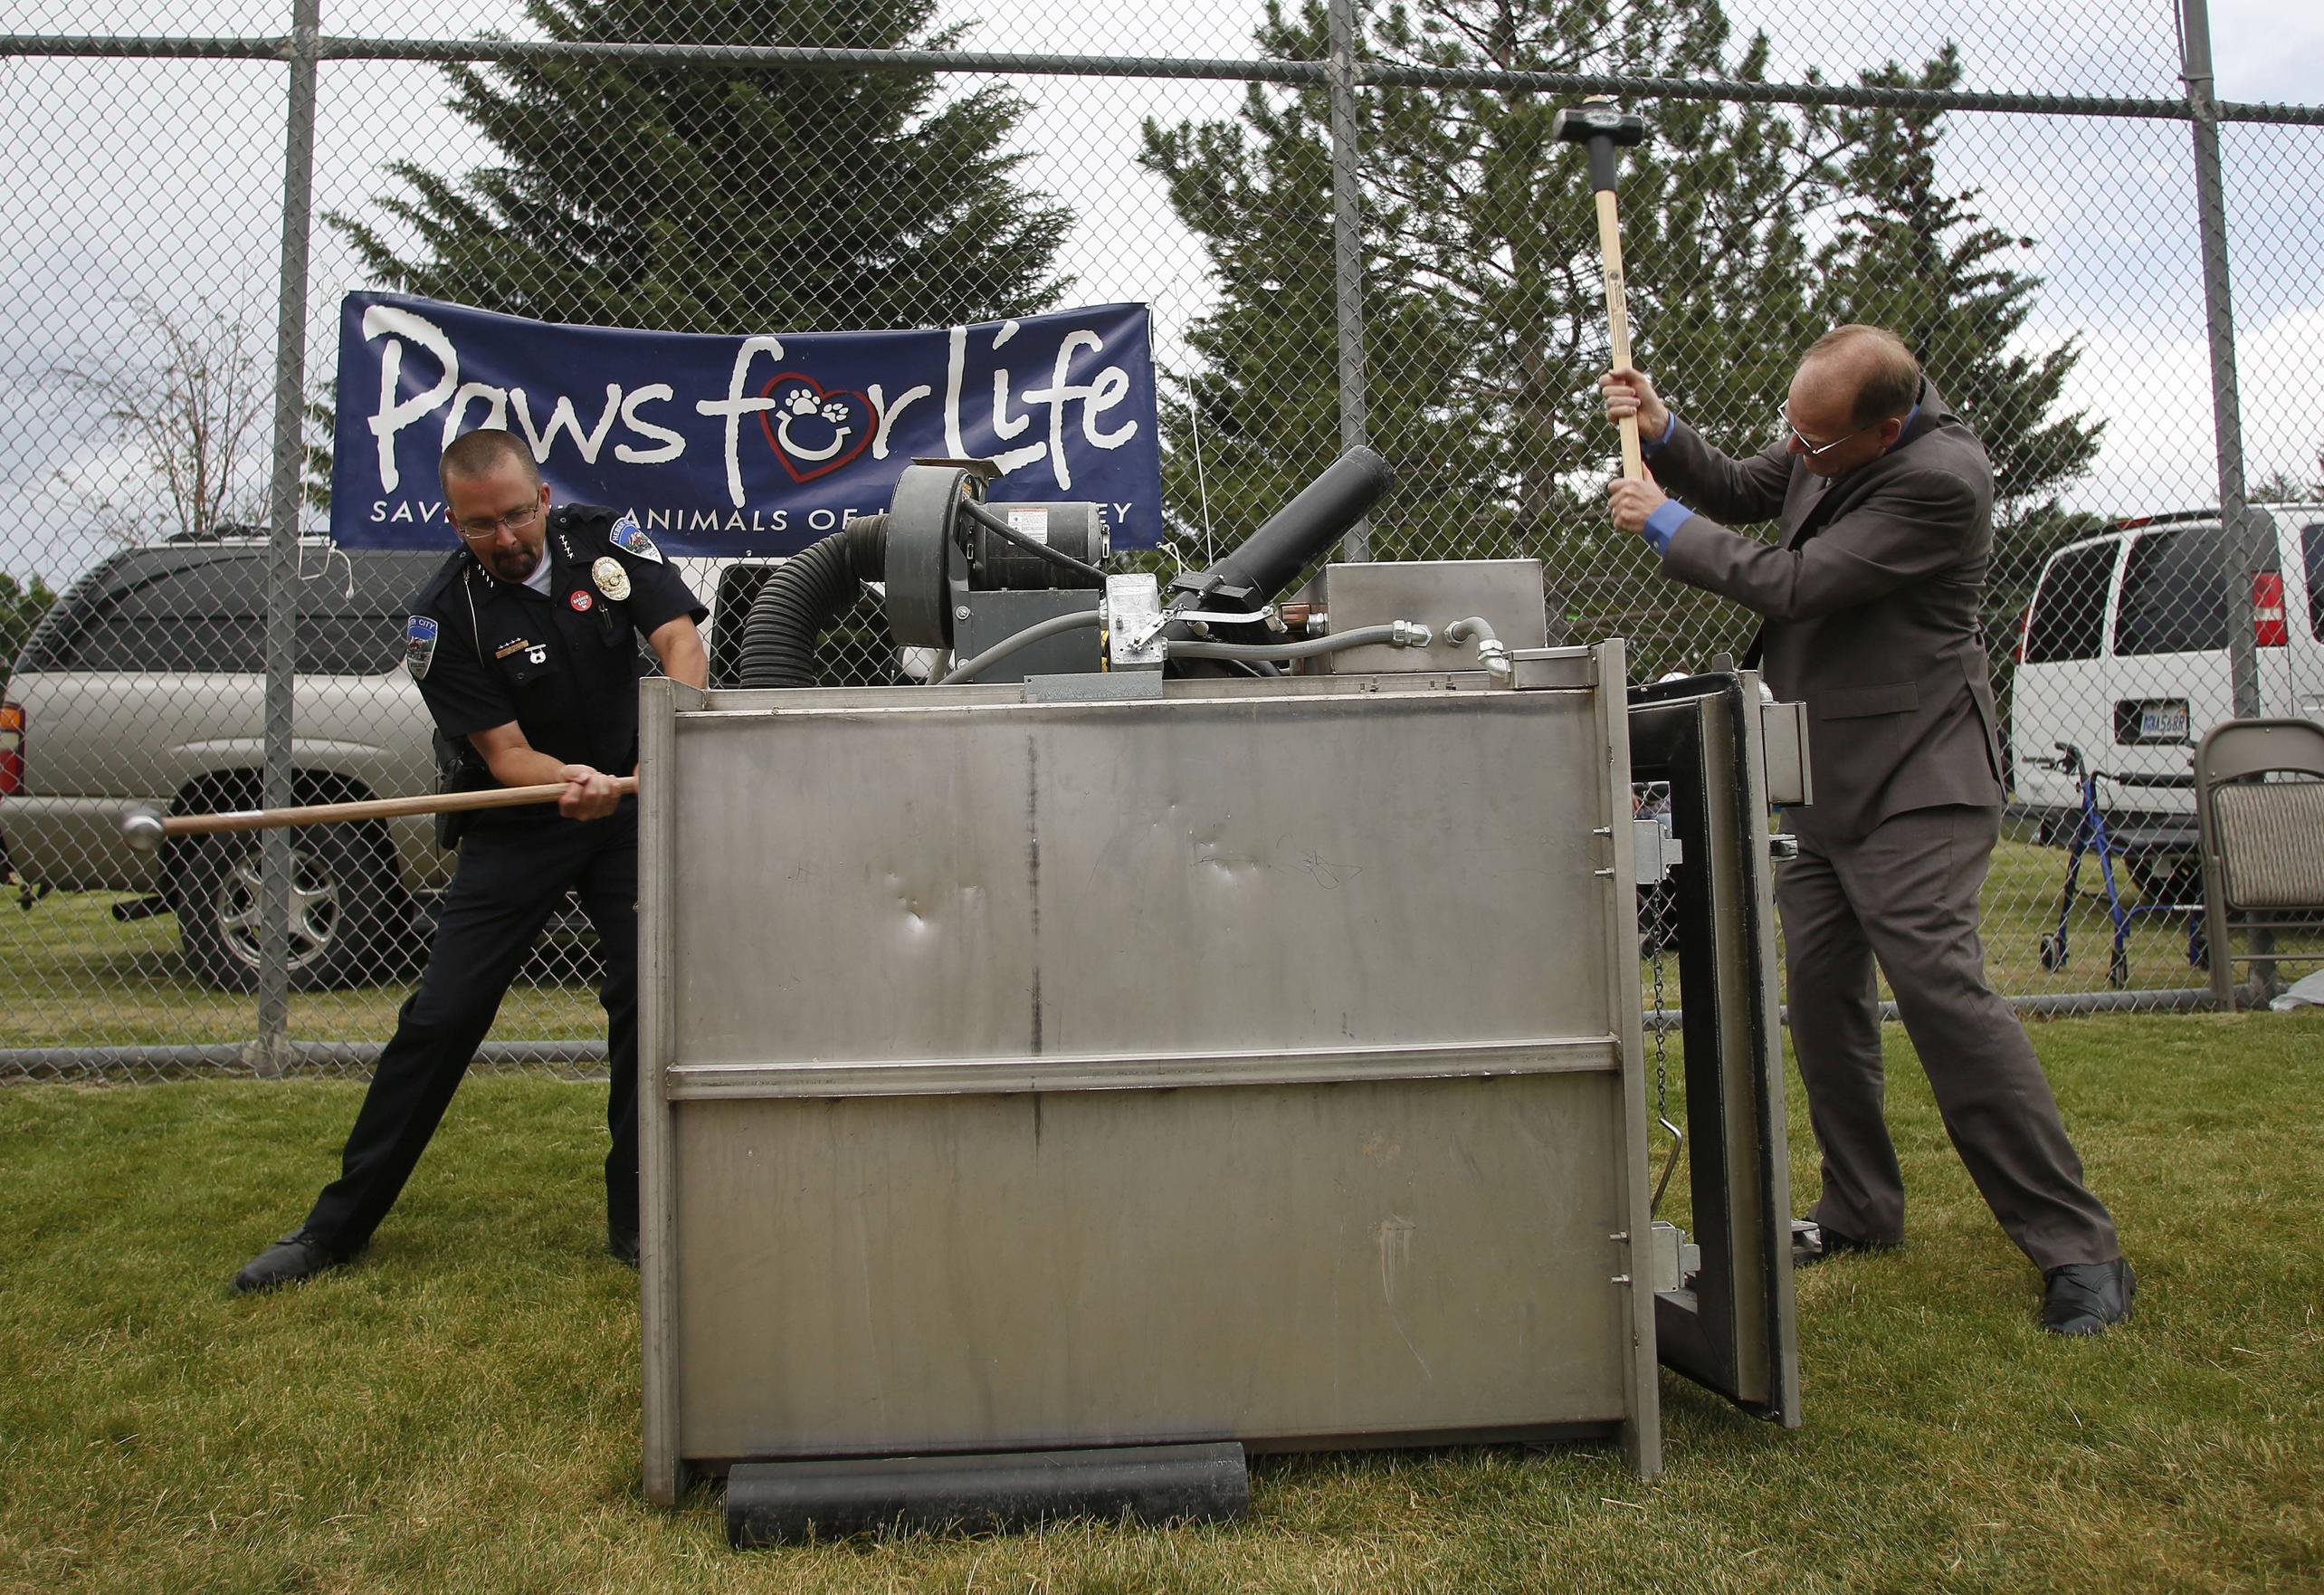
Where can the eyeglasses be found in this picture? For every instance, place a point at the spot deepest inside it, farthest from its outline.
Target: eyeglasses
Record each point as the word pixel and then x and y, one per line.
pixel 484 528
pixel 1786 432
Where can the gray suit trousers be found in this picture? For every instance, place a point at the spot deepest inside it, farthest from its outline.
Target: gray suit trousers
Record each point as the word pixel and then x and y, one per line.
pixel 1906 894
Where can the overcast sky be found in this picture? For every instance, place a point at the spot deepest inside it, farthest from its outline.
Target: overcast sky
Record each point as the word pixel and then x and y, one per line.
pixel 161 181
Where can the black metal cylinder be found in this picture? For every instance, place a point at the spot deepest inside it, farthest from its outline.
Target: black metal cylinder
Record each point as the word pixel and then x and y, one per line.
pixel 783 1502
pixel 1318 517
pixel 995 564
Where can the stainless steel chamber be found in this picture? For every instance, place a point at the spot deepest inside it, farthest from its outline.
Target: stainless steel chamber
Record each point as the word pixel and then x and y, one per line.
pixel 1028 1067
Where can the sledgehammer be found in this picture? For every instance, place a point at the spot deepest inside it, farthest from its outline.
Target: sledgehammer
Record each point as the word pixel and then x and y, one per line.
pixel 143 830
pixel 1598 127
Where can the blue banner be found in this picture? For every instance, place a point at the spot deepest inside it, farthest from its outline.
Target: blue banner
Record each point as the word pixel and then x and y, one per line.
pixel 743 446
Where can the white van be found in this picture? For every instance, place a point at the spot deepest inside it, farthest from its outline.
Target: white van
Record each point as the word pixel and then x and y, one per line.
pixel 2123 655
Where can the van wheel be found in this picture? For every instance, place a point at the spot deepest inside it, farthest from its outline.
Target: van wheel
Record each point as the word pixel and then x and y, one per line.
pixel 348 923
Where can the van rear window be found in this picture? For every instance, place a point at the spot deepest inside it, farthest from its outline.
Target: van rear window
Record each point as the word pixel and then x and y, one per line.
pixel 2068 618
pixel 2174 594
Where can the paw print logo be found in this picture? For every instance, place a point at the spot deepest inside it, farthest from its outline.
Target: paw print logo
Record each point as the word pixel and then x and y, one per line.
pixel 814 430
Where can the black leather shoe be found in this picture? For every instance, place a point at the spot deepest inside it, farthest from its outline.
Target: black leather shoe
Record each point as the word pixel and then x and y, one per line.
pixel 621 1245
pixel 296 1256
pixel 1813 1243
pixel 2083 1298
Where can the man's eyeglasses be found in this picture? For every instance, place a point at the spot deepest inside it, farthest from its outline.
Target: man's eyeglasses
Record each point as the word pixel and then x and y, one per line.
pixel 1789 434
pixel 484 528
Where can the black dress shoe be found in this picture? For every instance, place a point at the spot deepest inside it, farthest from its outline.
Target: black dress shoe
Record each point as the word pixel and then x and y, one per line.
pixel 621 1245
pixel 296 1256
pixel 1813 1243
pixel 2083 1298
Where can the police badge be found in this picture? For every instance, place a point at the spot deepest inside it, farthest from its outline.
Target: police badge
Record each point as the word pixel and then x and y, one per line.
pixel 419 645
pixel 611 578
pixel 629 537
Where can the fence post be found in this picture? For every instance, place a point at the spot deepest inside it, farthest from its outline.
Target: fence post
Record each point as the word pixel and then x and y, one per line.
pixel 2236 543
pixel 272 1048
pixel 1347 250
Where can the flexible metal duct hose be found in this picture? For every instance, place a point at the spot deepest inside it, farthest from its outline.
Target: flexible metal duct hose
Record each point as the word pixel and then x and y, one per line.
pixel 804 598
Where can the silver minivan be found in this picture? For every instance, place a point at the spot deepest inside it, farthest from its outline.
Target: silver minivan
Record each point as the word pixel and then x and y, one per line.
pixel 144 684
pixel 2123 656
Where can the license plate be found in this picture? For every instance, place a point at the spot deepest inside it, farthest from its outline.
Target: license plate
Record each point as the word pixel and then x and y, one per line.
pixel 2162 722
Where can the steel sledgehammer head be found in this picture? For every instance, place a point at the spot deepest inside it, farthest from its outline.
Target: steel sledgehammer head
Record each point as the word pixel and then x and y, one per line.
pixel 141 829
pixel 1599 128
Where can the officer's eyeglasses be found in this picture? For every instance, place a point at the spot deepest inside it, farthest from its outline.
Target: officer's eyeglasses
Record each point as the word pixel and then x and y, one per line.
pixel 485 528
pixel 1789 434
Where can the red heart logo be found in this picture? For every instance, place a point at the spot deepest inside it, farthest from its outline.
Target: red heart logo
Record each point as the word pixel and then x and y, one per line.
pixel 814 430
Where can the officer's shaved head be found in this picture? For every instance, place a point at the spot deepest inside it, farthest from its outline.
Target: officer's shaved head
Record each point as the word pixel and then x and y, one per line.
pixel 481 453
pixel 1872 365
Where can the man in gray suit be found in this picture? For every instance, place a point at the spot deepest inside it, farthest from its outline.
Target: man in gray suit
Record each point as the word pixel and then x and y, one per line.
pixel 1869 616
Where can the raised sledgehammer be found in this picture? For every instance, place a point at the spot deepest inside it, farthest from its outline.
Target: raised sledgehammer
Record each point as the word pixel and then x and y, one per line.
pixel 1598 126
pixel 144 830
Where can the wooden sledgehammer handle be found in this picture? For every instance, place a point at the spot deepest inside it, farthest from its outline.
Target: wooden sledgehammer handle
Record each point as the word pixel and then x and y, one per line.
pixel 1617 315
pixel 324 814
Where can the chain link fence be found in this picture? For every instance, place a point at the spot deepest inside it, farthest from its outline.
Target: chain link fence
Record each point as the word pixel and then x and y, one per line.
pixel 1351 224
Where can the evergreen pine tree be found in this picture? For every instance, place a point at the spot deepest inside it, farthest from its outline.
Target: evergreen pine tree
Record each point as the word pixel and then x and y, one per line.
pixel 1920 259
pixel 1485 328
pixel 688 198
pixel 22 604
pixel 1484 320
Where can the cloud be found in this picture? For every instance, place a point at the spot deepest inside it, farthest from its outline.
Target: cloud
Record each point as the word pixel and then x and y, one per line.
pixel 2154 395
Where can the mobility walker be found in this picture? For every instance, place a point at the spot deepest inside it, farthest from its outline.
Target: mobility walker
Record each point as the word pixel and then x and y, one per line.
pixel 2168 888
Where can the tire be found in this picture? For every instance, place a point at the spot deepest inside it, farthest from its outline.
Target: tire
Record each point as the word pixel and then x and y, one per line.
pixel 350 924
pixel 2053 953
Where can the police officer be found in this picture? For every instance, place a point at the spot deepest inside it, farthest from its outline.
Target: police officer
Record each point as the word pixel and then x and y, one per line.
pixel 522 646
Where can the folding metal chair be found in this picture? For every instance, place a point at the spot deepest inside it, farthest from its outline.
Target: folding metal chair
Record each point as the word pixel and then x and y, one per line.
pixel 2259 799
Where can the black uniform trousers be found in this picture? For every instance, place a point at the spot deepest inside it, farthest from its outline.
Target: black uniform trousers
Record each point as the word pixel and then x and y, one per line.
pixel 1907 895
pixel 509 881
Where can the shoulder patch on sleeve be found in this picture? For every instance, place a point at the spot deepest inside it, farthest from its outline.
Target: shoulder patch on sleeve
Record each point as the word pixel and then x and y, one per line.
pixel 420 634
pixel 631 538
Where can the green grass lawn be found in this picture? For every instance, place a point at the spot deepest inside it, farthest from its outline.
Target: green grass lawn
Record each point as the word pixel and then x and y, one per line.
pixel 71 977
pixel 460 1411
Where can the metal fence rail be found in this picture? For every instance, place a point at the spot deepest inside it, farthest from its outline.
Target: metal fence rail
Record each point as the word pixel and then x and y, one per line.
pixel 1350 228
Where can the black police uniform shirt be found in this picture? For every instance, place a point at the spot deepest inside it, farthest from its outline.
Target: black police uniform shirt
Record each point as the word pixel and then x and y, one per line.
pixel 564 666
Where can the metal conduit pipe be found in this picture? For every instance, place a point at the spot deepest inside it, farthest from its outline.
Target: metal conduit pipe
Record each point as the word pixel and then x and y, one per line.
pixel 1398 634
pixel 968 670
pixel 805 597
pixel 1491 652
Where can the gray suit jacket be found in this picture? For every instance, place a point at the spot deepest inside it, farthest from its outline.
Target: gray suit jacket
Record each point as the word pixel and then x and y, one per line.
pixel 1871 603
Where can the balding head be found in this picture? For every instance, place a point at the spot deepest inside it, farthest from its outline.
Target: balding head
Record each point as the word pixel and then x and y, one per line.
pixel 481 453
pixel 1868 368
pixel 1849 399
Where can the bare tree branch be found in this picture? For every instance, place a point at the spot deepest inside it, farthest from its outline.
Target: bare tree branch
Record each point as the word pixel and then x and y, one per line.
pixel 194 413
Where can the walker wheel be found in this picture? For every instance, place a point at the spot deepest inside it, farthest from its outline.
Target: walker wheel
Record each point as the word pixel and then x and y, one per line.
pixel 2117 969
pixel 2053 953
